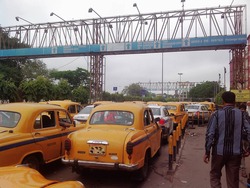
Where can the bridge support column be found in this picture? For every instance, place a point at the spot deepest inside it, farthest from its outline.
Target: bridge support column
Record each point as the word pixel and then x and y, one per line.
pixel 96 77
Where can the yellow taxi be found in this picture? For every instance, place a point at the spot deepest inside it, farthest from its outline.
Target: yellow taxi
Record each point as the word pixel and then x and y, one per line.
pixel 180 116
pixel 33 133
pixel 119 136
pixel 25 177
pixel 210 105
pixel 72 107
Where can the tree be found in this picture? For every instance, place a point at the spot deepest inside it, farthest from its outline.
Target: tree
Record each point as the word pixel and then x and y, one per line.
pixel 75 78
pixel 81 95
pixel 204 91
pixel 33 69
pixel 8 90
pixel 133 90
pixel 63 90
pixel 37 89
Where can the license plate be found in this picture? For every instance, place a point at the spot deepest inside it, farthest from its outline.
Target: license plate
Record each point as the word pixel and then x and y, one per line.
pixel 95 149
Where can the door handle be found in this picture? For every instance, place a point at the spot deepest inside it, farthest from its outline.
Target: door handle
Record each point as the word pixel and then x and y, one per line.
pixel 37 134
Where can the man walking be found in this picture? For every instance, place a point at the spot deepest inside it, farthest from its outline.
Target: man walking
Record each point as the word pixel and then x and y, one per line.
pixel 224 136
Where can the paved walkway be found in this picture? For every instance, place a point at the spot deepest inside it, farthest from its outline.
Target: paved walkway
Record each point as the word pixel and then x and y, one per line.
pixel 191 171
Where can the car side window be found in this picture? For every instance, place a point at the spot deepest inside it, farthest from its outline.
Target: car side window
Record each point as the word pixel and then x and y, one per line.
pixel 72 109
pixel 151 116
pixel 146 118
pixel 45 120
pixel 79 108
pixel 166 113
pixel 64 117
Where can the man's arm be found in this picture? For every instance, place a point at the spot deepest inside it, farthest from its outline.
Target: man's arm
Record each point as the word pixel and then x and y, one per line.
pixel 210 136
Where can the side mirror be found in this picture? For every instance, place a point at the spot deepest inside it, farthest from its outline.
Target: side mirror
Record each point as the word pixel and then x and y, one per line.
pixel 157 119
pixel 64 124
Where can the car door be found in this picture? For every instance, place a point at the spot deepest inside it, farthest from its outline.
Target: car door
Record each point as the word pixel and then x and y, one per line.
pixel 47 133
pixel 152 130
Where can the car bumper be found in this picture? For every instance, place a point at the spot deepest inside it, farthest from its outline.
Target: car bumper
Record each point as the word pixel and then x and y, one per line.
pixel 101 165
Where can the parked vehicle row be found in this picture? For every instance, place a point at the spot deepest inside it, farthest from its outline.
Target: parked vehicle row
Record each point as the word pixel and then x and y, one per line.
pixel 117 136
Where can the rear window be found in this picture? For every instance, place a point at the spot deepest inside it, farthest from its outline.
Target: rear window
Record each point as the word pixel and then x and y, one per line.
pixel 192 107
pixel 112 117
pixel 9 119
pixel 170 107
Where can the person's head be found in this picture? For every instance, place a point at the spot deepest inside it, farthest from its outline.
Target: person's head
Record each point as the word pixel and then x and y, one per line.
pixel 243 107
pixel 228 97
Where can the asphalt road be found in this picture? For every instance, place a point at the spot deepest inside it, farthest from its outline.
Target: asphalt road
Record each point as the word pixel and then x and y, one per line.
pixel 189 171
pixel 112 179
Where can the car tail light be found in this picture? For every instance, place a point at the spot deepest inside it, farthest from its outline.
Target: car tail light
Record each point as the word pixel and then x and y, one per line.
pixel 129 149
pixel 67 144
pixel 162 122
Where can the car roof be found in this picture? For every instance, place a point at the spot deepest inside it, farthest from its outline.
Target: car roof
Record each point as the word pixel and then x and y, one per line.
pixel 63 103
pixel 20 107
pixel 121 106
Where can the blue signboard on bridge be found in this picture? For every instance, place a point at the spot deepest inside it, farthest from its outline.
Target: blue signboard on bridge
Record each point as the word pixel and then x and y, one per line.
pixel 209 43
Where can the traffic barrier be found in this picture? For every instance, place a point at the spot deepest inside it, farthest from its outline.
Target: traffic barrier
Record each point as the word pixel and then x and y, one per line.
pixel 177 138
pixel 170 153
pixel 180 137
pixel 174 145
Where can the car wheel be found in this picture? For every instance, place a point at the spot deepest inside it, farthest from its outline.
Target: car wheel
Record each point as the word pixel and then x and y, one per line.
pixel 142 173
pixel 32 162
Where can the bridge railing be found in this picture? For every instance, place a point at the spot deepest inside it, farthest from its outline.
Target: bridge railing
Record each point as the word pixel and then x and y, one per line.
pixel 203 22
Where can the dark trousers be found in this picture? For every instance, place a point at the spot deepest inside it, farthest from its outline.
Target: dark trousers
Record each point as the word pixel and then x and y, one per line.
pixel 232 167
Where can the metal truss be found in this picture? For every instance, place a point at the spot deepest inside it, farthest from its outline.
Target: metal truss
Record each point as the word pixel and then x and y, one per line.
pixel 168 86
pixel 96 77
pixel 203 22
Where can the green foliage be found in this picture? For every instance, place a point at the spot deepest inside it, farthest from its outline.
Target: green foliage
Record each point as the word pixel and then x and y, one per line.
pixel 33 69
pixel 63 90
pixel 218 99
pixel 38 89
pixel 133 90
pixel 204 91
pixel 81 95
pixel 75 78
pixel 8 90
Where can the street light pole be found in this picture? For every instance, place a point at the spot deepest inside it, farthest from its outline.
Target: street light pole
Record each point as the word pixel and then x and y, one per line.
pixel 19 18
pixel 180 74
pixel 141 20
pixel 162 75
pixel 135 5
pixel 92 10
pixel 52 14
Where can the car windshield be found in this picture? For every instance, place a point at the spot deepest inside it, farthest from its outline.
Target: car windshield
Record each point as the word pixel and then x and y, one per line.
pixel 112 117
pixel 9 119
pixel 156 111
pixel 192 107
pixel 86 110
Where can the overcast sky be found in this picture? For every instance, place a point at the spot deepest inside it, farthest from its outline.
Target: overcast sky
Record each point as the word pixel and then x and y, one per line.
pixel 123 70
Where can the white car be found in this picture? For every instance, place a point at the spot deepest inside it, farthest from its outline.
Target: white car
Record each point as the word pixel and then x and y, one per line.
pixel 198 113
pixel 166 122
pixel 83 115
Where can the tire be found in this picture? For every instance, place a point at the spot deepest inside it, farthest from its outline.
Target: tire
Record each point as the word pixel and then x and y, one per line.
pixel 142 173
pixel 32 161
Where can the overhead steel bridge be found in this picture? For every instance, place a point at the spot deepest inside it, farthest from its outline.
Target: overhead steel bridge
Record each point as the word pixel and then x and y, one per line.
pixel 213 28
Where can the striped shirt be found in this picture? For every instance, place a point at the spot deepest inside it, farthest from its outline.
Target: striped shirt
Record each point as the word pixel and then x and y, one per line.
pixel 224 131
